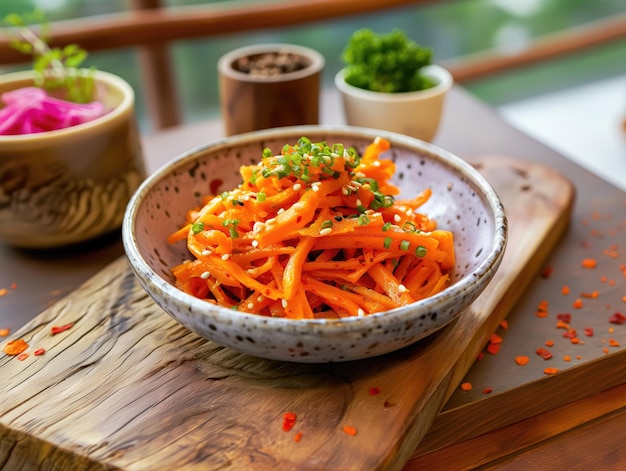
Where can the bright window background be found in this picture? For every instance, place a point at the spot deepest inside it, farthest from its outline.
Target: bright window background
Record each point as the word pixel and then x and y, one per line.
pixel 454 29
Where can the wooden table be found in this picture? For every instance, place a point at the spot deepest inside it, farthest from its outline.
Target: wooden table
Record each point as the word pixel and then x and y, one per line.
pixel 583 431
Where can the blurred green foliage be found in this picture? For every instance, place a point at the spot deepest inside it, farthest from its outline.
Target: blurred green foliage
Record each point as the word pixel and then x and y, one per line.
pixel 453 29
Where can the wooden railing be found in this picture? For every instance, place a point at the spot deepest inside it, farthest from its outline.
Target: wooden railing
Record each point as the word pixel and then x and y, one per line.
pixel 152 28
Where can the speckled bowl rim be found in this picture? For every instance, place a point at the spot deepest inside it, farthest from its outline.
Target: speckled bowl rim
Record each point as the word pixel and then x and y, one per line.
pixel 329 327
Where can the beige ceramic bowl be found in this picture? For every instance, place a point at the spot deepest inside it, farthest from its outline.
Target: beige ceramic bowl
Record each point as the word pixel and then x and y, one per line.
pixel 70 185
pixel 462 202
pixel 416 114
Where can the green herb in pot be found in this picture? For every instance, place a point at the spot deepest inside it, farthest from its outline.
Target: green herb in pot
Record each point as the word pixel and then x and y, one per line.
pixel 388 63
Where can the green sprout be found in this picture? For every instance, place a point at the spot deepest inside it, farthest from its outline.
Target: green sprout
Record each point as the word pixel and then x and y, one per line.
pixel 57 70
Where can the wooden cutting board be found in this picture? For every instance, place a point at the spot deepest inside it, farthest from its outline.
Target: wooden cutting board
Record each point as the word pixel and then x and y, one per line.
pixel 128 388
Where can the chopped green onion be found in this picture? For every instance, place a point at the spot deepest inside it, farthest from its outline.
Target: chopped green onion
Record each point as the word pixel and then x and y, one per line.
pixel 421 251
pixel 260 196
pixel 387 242
pixel 386 226
pixel 267 152
pixel 363 220
pixel 404 245
pixel 409 226
pixel 197 227
pixel 326 224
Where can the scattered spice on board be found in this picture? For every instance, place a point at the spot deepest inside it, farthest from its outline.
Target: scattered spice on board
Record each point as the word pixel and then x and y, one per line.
pixel 550 371
pixel 39 352
pixel 349 430
pixel 544 353
pixel 289 420
pixel 62 328
pixel 589 263
pixel 522 360
pixel 5 332
pixel 3 292
pixel 613 343
pixel 22 356
pixel 466 386
pixel 15 347
pixel 546 272
pixel 542 309
pixel 578 304
pixel 374 391
pixel 297 437
pixel 487 390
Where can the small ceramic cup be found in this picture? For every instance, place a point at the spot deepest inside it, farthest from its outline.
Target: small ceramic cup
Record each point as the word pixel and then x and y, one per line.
pixel 67 186
pixel 268 86
pixel 415 114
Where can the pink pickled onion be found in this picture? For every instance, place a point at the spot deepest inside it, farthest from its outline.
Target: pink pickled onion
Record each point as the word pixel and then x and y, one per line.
pixel 30 110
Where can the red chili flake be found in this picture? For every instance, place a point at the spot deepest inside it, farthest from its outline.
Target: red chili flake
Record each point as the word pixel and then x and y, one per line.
pixel 466 386
pixel 592 295
pixel 22 356
pixel 215 185
pixel 5 332
pixel 565 317
pixel 578 357
pixel 3 292
pixel 613 343
pixel 487 390
pixel 577 304
pixel 570 334
pixel 605 350
pixel 617 318
pixel 374 391
pixel 544 353
pixel 495 338
pixel 562 325
pixel 565 290
pixel 39 352
pixel 349 430
pixel 481 355
pixel 62 328
pixel 542 309
pixel 567 358
pixel 589 263
pixel 588 331
pixel 13 285
pixel 493 348
pixel 15 347
pixel 550 371
pixel 505 324
pixel 522 360
pixel 297 437
pixel 546 272
pixel 549 343
pixel 575 340
pixel 289 420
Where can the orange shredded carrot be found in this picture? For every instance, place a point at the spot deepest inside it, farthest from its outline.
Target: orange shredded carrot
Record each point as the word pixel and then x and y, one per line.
pixel 314 231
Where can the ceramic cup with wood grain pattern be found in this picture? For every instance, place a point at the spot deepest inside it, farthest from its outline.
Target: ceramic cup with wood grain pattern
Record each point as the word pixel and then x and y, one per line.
pixel 69 185
pixel 269 86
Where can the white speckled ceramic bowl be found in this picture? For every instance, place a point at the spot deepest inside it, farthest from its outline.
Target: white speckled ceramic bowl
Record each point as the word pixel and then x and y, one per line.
pixel 462 202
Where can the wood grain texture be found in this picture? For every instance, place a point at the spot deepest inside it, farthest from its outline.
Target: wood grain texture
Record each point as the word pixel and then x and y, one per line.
pixel 128 388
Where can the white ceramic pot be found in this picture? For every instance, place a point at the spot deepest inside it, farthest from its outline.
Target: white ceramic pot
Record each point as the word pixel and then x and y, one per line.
pixel 416 114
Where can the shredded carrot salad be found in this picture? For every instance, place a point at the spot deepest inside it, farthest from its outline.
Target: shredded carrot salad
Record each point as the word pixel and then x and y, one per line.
pixel 314 232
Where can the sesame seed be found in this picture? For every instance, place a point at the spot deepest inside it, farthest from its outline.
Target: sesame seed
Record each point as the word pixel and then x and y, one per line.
pixel 297 187
pixel 397 218
pixel 250 306
pixel 358 202
pixel 402 288
pixel 280 211
pixel 255 243
pixel 258 227
pixel 344 191
pixel 298 205
pixel 226 256
pixel 284 303
pixel 270 221
pixel 205 275
pixel 360 312
pixel 376 163
pixel 206 253
pixel 326 231
pixel 315 186
pixel 260 298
